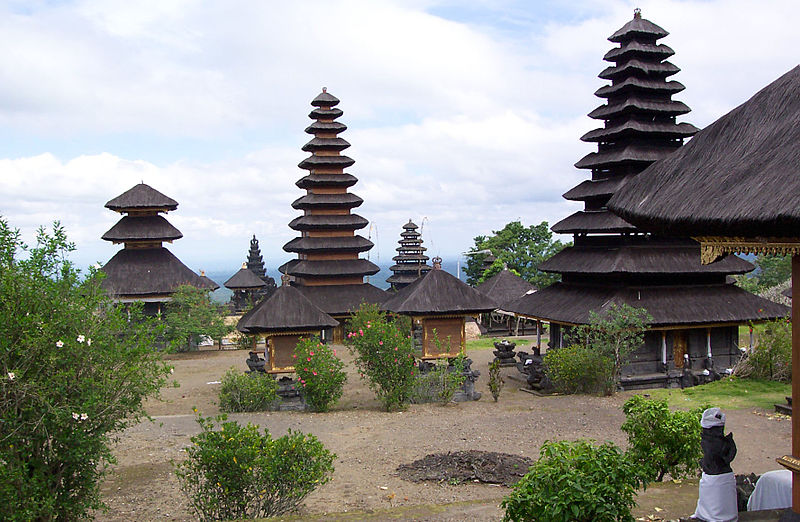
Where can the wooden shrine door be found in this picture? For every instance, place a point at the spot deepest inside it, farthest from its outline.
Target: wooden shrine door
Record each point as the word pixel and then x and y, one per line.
pixel 678 347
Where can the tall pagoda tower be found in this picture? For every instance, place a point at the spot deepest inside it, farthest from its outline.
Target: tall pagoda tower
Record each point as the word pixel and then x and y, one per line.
pixel 144 270
pixel 695 311
pixel 328 269
pixel 255 263
pixel 411 261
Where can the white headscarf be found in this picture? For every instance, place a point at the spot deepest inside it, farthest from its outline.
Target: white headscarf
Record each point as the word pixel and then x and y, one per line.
pixel 712 417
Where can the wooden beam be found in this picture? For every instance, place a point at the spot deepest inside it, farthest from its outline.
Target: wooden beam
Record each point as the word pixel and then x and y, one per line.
pixel 795 386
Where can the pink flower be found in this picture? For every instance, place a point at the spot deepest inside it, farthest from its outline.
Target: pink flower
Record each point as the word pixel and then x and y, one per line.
pixel 361 332
pixel 395 360
pixel 311 353
pixel 334 353
pixel 369 325
pixel 313 373
pixel 294 356
pixel 380 342
pixel 304 385
pixel 308 359
pixel 395 348
pixel 305 369
pixel 60 344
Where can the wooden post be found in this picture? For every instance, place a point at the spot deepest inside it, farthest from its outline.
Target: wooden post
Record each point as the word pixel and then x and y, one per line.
pixel 538 334
pixel 708 341
pixel 664 347
pixel 795 385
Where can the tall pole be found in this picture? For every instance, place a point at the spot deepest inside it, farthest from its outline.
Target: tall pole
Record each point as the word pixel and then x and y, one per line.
pixel 795 384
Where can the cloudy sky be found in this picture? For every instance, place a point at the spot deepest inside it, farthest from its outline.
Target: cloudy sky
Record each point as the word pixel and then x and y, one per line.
pixel 462 114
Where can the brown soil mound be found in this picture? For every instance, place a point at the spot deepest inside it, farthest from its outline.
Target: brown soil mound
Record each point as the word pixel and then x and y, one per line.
pixel 467 466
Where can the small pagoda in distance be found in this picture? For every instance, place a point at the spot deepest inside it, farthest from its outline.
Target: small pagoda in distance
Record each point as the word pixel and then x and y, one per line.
pixel 411 261
pixel 144 270
pixel 696 312
pixel 256 265
pixel 328 270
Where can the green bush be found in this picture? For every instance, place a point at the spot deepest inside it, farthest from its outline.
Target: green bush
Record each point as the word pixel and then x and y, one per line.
pixel 320 373
pixel 577 369
pixel 236 472
pixel 442 382
pixel 384 355
pixel 75 370
pixel 190 315
pixel 574 482
pixel 771 357
pixel 247 392
pixel 661 441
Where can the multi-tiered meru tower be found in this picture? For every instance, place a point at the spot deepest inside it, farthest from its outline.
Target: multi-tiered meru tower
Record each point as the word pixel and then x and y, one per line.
pixel 695 311
pixel 144 270
pixel 328 269
pixel 411 261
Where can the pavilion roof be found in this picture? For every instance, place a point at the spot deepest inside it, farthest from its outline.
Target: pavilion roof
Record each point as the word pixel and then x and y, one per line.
pixel 244 279
pixel 141 196
pixel 149 271
pixel 286 309
pixel 439 292
pixel 740 176
pixel 505 286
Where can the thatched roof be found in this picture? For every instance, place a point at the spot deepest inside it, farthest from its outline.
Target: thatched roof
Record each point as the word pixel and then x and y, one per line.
pixel 740 176
pixel 310 201
pixel 139 197
pixel 285 310
pixel 326 180
pixel 649 256
pixel 244 279
pixel 787 292
pixel 327 221
pixel 438 292
pixel 151 271
pixel 340 267
pixel 142 228
pixel 583 221
pixel 505 287
pixel 342 299
pixel 329 244
pixel 669 305
pixel 638 27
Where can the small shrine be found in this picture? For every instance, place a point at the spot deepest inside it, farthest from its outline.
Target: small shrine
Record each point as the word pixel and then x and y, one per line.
pixel 144 270
pixel 245 286
pixel 438 304
pixel 411 261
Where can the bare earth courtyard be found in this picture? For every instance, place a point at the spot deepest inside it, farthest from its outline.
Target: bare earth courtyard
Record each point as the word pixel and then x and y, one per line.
pixel 371 444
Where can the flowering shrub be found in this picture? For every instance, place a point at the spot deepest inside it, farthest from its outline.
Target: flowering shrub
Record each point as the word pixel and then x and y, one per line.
pixel 238 473
pixel 74 371
pixel 247 392
pixel 384 354
pixel 320 373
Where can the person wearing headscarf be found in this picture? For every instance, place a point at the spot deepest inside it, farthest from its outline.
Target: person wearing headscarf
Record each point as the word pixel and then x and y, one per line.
pixel 717 499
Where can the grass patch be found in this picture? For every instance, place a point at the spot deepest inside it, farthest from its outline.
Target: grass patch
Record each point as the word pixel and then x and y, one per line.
pixel 482 343
pixel 730 393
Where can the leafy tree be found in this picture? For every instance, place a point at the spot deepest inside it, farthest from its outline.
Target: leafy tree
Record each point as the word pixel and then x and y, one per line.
pixel 661 441
pixel 522 249
pixel 575 482
pixel 190 315
pixel 771 357
pixel 74 372
pixel 770 271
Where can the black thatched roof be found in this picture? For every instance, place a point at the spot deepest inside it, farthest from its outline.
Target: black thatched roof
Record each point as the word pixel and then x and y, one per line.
pixel 505 287
pixel 740 176
pixel 325 99
pixel 601 221
pixel 633 47
pixel 150 271
pixel 329 244
pixel 632 127
pixel 326 126
pixel 650 257
pixel 787 292
pixel 638 27
pixel 326 180
pixel 255 262
pixel 628 154
pixel 244 279
pixel 326 221
pixel 139 197
pixel 342 267
pixel 326 162
pixel 411 261
pixel 342 299
pixel 593 189
pixel 438 292
pixel 317 143
pixel 310 201
pixel 142 228
pixel 669 306
pixel 285 310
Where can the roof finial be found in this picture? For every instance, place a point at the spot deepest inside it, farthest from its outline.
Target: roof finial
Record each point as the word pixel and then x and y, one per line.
pixel 437 263
pixel 637 13
pixel 285 279
pixel 244 265
pixel 324 89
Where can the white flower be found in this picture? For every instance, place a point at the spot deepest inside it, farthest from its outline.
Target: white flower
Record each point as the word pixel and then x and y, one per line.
pixel 89 341
pixel 75 416
pixel 84 416
pixel 81 338
pixel 11 376
pixel 96 266
pixel 60 344
pixel 172 370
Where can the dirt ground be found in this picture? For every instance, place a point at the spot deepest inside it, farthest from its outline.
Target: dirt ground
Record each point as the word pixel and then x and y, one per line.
pixel 371 444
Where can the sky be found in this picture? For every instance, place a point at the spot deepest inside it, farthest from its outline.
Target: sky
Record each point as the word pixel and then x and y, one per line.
pixel 463 115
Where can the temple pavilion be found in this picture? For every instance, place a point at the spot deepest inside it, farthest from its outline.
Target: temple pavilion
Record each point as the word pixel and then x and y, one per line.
pixel 410 261
pixel 696 312
pixel 144 270
pixel 328 270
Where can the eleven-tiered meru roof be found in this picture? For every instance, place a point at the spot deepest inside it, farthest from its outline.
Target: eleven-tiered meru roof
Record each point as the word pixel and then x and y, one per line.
pixel 411 261
pixel 328 248
pixel 611 260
